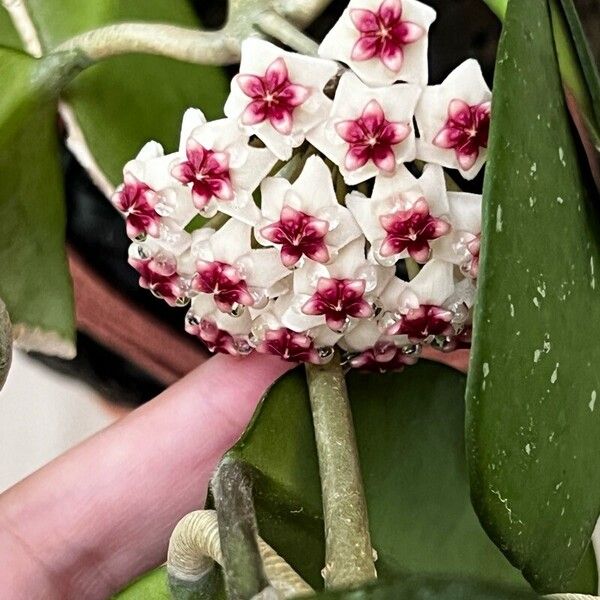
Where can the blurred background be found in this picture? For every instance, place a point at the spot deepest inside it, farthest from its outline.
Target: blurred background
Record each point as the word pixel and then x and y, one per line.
pixel 130 344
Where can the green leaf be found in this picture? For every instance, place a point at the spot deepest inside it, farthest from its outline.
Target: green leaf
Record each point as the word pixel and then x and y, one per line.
pixel 123 102
pixel 418 588
pixel 151 586
pixel 8 35
pixel 34 278
pixel 409 431
pixel 586 59
pixel 532 422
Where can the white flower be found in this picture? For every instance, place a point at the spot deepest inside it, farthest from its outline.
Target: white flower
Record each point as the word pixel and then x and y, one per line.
pixel 221 169
pixel 461 246
pixel 382 41
pixel 233 274
pixel 369 130
pixel 152 201
pixel 304 218
pixel 421 311
pixel 404 216
pixel 453 120
pixel 338 294
pixel 278 95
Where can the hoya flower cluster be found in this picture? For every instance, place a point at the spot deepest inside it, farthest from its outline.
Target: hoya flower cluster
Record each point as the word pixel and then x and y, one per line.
pixel 291 225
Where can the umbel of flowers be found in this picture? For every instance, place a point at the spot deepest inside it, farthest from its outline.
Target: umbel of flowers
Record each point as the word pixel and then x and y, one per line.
pixel 293 224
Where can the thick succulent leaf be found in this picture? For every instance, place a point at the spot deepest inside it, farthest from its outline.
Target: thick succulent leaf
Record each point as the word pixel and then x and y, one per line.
pixel 532 421
pixel 8 34
pixel 151 586
pixel 34 278
pixel 123 102
pixel 409 431
pixel 588 64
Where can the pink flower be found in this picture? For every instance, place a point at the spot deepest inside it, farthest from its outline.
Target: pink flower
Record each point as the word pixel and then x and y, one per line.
pixel 382 357
pixel 289 345
pixel 207 171
pixel 368 132
pixel 466 131
pixel 160 276
pixel 382 41
pixel 224 283
pixel 278 95
pixel 372 137
pixel 274 97
pixel 404 216
pixel 453 119
pixel 383 34
pixel 136 201
pixel 423 321
pixel 337 300
pixel 299 235
pixel 412 230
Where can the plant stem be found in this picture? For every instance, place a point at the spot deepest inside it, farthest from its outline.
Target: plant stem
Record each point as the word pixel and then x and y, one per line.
pixel 281 29
pixel 348 551
pixel 180 43
pixel 242 564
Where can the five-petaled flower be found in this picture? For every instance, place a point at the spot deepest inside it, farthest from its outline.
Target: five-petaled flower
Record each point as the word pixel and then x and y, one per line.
pixel 466 131
pixel 278 95
pixel 371 137
pixel 228 270
pixel 337 295
pixel 454 120
pixel 159 275
pixel 207 171
pixel 421 312
pixel 289 345
pixel 369 130
pixel 304 219
pixel 404 216
pixel 137 202
pixel 225 284
pixel 382 40
pixel 221 168
pixel 338 300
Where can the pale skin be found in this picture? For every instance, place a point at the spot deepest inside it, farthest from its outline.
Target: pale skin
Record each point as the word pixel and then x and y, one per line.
pixel 99 515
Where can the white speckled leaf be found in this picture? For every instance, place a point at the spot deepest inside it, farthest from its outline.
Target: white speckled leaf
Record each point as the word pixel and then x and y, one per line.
pixel 533 424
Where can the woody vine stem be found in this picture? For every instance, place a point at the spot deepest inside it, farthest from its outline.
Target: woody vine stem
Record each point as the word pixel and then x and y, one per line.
pixel 349 555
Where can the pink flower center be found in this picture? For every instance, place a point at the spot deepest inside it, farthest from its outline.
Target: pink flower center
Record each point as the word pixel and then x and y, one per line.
pixel 225 284
pixel 273 97
pixel 136 201
pixel 207 171
pixel 422 322
pixel 299 234
pixel 412 230
pixel 289 345
pixel 466 131
pixel 338 300
pixel 160 277
pixel 382 357
pixel 383 34
pixel 372 137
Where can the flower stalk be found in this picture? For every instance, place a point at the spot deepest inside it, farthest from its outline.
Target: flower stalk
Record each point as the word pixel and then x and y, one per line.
pixel 349 556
